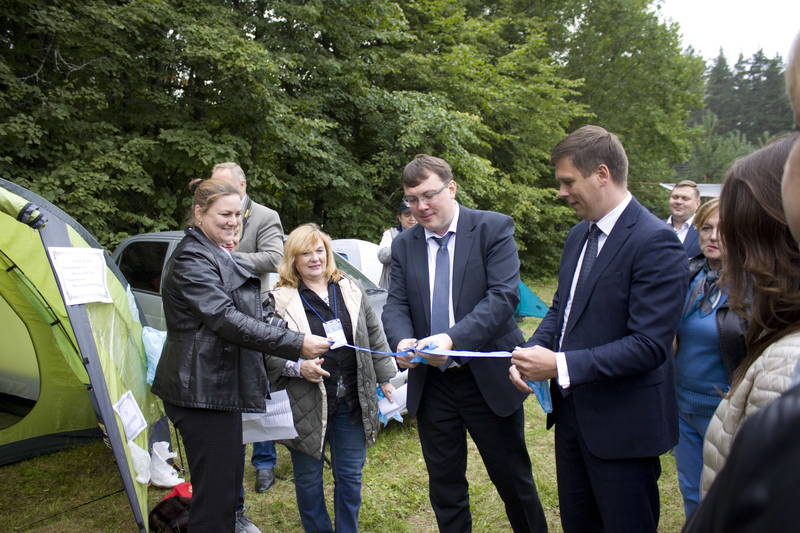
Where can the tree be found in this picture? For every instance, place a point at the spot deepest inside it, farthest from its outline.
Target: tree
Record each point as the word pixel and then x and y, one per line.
pixel 713 152
pixel 110 108
pixel 720 94
pixel 750 99
pixel 638 84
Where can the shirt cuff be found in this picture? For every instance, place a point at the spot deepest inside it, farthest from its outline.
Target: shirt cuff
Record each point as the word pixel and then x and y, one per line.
pixel 291 369
pixel 563 372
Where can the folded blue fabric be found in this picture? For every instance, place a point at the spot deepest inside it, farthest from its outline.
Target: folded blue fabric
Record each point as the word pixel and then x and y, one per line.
pixel 542 391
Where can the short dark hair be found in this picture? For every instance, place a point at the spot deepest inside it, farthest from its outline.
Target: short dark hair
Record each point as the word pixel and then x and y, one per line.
pixel 422 166
pixel 591 146
pixel 688 183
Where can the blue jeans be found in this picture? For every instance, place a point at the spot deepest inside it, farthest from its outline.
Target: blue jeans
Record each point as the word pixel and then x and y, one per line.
pixel 689 457
pixel 348 453
pixel 264 455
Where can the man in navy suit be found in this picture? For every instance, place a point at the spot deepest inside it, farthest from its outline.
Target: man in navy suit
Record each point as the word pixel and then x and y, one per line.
pixel 454 280
pixel 683 202
pixel 606 342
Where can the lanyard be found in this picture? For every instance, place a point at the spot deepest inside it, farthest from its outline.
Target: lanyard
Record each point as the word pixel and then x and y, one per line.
pixel 333 306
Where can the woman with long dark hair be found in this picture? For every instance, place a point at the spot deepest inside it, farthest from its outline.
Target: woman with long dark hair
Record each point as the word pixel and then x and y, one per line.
pixel 762 277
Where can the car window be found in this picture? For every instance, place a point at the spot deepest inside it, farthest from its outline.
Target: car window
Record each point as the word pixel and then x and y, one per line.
pixel 141 263
pixel 353 272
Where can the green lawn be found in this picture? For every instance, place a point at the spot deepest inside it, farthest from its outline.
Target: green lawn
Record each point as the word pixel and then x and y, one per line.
pixel 395 489
pixel 395 495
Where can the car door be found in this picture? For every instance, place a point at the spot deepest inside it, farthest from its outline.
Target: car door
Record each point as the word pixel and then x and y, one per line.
pixel 141 262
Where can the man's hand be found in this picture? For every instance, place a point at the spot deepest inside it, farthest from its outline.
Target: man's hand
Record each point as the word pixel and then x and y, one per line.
pixel 388 389
pixel 516 379
pixel 404 361
pixel 441 341
pixel 314 346
pixel 312 370
pixel 535 364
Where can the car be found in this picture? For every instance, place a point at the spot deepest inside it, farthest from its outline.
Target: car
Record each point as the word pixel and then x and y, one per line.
pixel 142 258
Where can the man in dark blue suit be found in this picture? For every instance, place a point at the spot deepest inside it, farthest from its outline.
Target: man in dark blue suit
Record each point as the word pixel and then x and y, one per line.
pixel 454 280
pixel 683 203
pixel 606 342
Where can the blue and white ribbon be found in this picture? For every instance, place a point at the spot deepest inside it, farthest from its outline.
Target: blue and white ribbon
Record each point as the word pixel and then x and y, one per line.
pixel 540 388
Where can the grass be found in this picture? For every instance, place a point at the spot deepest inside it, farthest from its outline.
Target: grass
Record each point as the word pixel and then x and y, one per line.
pixel 49 493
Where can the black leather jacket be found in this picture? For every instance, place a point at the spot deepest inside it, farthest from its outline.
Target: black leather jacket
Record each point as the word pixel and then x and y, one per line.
pixel 213 357
pixel 730 326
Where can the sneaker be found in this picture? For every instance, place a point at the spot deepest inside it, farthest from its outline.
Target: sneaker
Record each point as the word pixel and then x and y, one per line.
pixel 244 524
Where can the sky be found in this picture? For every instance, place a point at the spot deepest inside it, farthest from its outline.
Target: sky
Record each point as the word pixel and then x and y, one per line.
pixel 738 26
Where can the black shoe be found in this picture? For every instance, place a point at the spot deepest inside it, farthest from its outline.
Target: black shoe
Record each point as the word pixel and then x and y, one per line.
pixel 265 478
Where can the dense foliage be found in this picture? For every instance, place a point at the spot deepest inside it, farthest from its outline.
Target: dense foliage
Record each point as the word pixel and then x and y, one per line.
pixel 109 107
pixel 744 107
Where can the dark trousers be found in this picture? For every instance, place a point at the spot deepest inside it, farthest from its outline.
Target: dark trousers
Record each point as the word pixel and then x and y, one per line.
pixel 451 405
pixel 602 495
pixel 213 442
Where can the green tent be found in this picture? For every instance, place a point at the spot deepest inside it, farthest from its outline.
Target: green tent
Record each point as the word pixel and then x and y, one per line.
pixel 63 367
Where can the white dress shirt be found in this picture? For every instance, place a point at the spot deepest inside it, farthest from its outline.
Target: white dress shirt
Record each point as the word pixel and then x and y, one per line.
pixel 683 231
pixel 433 248
pixel 605 225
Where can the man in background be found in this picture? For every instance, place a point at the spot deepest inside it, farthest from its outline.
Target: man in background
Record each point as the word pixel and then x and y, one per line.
pixel 262 244
pixel 683 202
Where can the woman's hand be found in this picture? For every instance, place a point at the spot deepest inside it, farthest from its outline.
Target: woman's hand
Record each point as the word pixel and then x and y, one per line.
pixel 312 370
pixel 404 361
pixel 314 346
pixel 388 389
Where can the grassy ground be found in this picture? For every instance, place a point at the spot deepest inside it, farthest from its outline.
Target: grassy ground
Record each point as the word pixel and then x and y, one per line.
pixel 395 495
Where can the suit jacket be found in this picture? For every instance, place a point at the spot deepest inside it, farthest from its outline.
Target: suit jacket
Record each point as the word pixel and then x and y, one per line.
pixel 484 293
pixel 618 341
pixel 262 241
pixel 692 242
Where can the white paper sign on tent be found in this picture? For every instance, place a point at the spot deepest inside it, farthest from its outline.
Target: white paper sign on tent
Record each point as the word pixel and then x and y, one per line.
pixel 133 421
pixel 81 273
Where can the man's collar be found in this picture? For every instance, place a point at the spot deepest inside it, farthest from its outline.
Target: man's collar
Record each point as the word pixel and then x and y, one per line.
pixel 606 224
pixel 686 223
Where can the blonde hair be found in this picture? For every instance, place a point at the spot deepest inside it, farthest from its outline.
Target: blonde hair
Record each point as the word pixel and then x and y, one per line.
pixel 302 239
pixel 704 212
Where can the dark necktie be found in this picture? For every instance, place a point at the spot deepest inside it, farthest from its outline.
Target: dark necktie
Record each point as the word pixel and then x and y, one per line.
pixel 589 257
pixel 440 303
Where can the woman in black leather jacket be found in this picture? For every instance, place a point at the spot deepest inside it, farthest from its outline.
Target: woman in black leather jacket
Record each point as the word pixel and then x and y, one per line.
pixel 212 365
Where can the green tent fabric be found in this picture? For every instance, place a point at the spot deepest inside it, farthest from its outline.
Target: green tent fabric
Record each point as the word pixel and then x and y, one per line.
pixel 529 303
pixel 62 367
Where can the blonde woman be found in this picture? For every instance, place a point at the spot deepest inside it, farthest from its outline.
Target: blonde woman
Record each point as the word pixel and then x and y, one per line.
pixel 333 398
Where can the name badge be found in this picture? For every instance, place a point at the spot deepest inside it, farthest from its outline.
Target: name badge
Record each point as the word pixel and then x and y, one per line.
pixel 335 332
